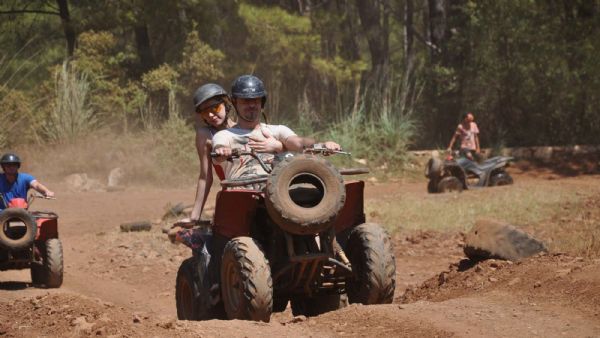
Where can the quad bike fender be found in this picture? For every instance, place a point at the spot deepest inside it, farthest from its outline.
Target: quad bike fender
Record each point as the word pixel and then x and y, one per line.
pixel 453 169
pixel 234 212
pixel 434 168
pixel 46 228
pixel 17 203
pixel 352 212
pixel 502 162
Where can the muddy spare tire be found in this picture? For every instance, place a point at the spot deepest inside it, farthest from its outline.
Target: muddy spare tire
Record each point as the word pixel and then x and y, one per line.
pixel 17 229
pixel 433 169
pixel 305 194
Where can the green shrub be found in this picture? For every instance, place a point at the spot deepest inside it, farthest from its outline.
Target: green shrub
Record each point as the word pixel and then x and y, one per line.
pixel 176 153
pixel 382 141
pixel 17 118
pixel 71 115
pixel 200 63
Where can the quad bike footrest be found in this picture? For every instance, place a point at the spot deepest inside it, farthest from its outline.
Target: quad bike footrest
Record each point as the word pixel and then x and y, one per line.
pixel 309 257
pixel 16 264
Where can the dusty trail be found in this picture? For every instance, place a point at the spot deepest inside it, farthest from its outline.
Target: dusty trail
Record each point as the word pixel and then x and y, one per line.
pixel 123 284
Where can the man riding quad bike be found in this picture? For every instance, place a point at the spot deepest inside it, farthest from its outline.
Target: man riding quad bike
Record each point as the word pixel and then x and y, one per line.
pixel 302 238
pixel 456 173
pixel 28 239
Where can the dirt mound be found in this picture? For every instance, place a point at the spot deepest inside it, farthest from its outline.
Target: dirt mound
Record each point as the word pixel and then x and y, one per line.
pixel 55 314
pixel 59 314
pixel 556 279
pixel 365 321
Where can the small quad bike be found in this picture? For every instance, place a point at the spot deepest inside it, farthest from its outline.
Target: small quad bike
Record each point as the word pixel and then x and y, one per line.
pixel 301 239
pixel 456 173
pixel 29 240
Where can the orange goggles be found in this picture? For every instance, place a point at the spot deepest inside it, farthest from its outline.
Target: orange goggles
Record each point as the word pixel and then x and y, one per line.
pixel 213 108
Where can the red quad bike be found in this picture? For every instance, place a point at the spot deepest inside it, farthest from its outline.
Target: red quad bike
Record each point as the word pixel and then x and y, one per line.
pixel 456 173
pixel 302 239
pixel 29 240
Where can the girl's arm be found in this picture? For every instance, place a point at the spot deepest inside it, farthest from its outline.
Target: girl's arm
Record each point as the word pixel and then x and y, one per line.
pixel 205 178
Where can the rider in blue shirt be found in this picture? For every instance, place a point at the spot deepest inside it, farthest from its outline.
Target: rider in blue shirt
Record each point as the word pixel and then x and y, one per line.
pixel 14 184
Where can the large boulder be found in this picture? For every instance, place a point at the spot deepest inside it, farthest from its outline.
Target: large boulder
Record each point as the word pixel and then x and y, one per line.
pixel 495 239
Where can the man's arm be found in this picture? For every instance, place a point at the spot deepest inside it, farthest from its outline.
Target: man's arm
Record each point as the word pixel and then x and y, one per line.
pixel 298 144
pixel 221 146
pixel 41 188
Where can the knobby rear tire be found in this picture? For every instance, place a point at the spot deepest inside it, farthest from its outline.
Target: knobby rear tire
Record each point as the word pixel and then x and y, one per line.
pixel 246 284
pixel 50 271
pixel 370 252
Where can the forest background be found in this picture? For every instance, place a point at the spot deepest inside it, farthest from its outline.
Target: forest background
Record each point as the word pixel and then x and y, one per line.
pixel 385 75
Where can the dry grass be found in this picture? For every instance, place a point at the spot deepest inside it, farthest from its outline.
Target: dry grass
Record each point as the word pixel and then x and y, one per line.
pixel 575 229
pixel 144 157
pixel 563 213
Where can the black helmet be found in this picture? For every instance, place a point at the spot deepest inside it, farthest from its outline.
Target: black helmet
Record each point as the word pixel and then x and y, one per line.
pixel 248 87
pixel 9 158
pixel 206 92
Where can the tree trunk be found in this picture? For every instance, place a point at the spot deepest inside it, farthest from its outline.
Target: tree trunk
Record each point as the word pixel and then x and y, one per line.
pixel 409 36
pixel 63 8
pixel 438 22
pixel 376 31
pixel 142 40
pixel 409 55
pixel 350 49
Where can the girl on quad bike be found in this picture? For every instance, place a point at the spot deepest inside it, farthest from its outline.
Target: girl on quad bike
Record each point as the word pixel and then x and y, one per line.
pixel 468 132
pixel 213 107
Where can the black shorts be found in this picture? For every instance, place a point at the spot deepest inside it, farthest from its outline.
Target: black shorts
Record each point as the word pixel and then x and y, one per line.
pixel 474 155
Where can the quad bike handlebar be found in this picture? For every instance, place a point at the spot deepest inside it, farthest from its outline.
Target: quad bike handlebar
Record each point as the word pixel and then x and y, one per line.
pixel 238 152
pixel 317 148
pixel 32 198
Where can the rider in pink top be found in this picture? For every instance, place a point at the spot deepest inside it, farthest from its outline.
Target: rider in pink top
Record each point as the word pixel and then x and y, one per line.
pixel 468 132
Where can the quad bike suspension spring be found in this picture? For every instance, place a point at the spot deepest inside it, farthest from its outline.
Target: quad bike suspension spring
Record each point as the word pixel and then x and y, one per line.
pixel 337 249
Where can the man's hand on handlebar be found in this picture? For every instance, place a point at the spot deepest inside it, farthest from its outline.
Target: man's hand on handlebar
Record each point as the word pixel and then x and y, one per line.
pixel 326 148
pixel 222 153
pixel 330 145
pixel 48 196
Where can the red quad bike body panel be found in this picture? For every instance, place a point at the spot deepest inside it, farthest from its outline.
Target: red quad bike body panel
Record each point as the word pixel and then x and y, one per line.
pixel 17 203
pixel 235 210
pixel 352 213
pixel 46 228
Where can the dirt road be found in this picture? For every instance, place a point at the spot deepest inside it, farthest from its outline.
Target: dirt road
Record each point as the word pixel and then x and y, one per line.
pixel 122 284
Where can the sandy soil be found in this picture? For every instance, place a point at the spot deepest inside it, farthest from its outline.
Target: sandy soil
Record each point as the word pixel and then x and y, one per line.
pixel 123 284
